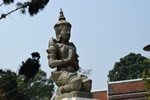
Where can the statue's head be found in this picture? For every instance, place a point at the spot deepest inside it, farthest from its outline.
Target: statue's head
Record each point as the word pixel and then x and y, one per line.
pixel 61 26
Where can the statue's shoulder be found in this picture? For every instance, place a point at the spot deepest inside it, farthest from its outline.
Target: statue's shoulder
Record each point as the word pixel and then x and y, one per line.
pixel 52 46
pixel 52 42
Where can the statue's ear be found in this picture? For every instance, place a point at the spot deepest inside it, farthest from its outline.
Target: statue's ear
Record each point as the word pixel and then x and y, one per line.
pixel 58 29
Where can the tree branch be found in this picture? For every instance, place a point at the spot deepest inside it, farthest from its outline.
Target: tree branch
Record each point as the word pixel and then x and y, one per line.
pixel 1 4
pixel 4 15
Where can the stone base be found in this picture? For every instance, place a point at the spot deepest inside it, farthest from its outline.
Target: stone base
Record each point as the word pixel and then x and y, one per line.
pixel 78 98
pixel 75 94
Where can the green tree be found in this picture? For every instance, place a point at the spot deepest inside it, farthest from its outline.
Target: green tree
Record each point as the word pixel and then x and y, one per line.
pixel 32 6
pixel 8 86
pixel 31 83
pixel 129 67
pixel 31 66
pixel 13 86
pixel 146 77
pixel 37 88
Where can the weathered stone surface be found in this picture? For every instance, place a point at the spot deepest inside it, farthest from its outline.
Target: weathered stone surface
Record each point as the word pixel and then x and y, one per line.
pixel 75 94
pixel 62 55
pixel 78 98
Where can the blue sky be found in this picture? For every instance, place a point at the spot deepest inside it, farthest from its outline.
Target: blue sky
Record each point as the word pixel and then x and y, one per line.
pixel 102 30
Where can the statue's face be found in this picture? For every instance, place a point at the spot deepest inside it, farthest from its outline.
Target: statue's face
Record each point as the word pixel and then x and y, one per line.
pixel 65 33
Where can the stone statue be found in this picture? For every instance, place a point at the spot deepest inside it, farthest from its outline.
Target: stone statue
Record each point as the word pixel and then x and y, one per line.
pixel 62 56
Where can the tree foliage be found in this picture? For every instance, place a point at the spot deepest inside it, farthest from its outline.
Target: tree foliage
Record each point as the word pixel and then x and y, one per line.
pixel 31 83
pixel 8 86
pixel 6 2
pixel 37 88
pixel 32 6
pixel 129 67
pixel 13 86
pixel 85 72
pixel 146 77
pixel 31 66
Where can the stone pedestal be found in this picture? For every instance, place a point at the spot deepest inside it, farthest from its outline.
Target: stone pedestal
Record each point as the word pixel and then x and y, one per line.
pixel 78 98
pixel 75 95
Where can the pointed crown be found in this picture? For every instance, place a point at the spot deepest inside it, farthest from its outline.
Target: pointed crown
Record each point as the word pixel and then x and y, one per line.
pixel 62 20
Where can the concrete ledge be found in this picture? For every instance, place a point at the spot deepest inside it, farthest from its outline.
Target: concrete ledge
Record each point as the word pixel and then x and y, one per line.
pixel 78 98
pixel 75 94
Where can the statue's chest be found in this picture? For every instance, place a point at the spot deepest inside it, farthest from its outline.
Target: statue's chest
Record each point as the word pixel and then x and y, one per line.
pixel 63 50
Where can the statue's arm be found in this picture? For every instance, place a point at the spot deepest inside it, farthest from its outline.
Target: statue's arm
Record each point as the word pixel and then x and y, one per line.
pixel 76 60
pixel 76 66
pixel 53 63
pixel 52 56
